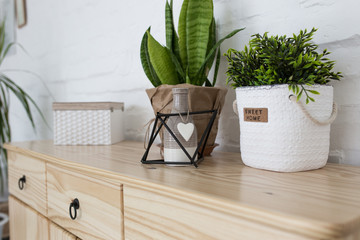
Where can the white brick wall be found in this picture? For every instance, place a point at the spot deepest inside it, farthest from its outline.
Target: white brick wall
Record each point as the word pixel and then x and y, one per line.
pixel 89 51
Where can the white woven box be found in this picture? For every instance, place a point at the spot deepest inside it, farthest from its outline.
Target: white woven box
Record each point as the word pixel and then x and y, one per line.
pixel 88 123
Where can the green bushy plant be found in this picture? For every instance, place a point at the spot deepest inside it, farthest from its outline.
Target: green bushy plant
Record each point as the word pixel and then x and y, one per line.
pixel 190 53
pixel 273 60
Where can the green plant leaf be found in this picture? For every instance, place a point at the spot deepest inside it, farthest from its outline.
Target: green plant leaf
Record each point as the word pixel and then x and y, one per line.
pixel 169 25
pixel 160 58
pixel 188 80
pixel 314 92
pixel 172 39
pixel 26 99
pixel 4 109
pixel 146 63
pixel 217 64
pixel 20 94
pixel 212 42
pixel 182 33
pixel 198 20
pixel 213 49
pixel 299 96
pixel 2 37
pixel 180 71
pixel 208 83
pixel 299 60
pixel 308 65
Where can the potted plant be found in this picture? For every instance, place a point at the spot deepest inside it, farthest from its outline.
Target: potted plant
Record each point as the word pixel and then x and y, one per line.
pixel 185 61
pixel 275 78
pixel 7 87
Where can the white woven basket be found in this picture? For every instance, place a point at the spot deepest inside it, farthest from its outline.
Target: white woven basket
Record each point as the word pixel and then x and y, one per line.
pixel 91 123
pixel 289 141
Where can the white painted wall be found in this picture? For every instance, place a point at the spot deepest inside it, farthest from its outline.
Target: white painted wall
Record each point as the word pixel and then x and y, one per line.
pixel 88 50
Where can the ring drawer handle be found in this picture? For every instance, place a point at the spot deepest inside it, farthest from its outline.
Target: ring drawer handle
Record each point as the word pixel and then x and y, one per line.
pixel 21 182
pixel 76 205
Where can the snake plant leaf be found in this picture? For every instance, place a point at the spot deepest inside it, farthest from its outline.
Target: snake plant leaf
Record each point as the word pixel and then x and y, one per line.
pixel 146 63
pixel 212 42
pixel 160 58
pixel 178 67
pixel 198 20
pixel 213 49
pixel 217 64
pixel 172 39
pixel 208 83
pixel 169 25
pixel 188 80
pixel 182 34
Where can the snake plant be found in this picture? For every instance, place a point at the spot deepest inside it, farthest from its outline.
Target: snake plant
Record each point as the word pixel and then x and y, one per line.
pixel 188 54
pixel 7 87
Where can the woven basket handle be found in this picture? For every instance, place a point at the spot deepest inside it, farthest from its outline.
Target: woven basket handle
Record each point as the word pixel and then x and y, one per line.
pixel 307 114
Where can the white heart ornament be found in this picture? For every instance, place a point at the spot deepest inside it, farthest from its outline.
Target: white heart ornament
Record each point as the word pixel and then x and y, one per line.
pixel 186 130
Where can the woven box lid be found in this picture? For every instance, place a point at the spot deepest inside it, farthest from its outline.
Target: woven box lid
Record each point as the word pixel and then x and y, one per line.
pixel 58 106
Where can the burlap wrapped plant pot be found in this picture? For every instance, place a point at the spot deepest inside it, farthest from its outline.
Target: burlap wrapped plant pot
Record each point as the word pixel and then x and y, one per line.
pixel 200 99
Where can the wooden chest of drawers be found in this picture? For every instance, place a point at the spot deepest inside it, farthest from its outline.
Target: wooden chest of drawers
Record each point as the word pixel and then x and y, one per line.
pixel 104 192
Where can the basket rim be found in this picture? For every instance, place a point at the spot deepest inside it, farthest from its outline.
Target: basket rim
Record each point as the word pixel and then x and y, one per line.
pixel 279 86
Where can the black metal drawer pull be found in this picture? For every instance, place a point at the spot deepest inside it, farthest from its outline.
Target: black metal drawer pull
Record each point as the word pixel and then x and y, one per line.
pixel 21 182
pixel 75 204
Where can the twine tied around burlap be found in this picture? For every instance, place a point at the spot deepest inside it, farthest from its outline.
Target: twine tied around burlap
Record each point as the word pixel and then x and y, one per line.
pixel 148 126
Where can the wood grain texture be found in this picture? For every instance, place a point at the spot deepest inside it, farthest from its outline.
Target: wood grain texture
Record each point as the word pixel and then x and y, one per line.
pixel 319 204
pixel 100 214
pixel 88 105
pixel 150 215
pixel 25 223
pixel 57 233
pixel 34 192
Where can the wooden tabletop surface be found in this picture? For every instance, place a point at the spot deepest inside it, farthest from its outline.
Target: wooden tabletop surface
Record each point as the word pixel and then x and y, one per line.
pixel 324 200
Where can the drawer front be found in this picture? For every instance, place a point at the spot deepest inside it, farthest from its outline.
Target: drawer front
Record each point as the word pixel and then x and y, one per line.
pixel 154 215
pixel 99 215
pixel 25 223
pixel 33 190
pixel 57 233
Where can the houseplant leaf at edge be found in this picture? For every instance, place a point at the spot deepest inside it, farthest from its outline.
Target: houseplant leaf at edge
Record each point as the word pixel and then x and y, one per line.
pixel 7 87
